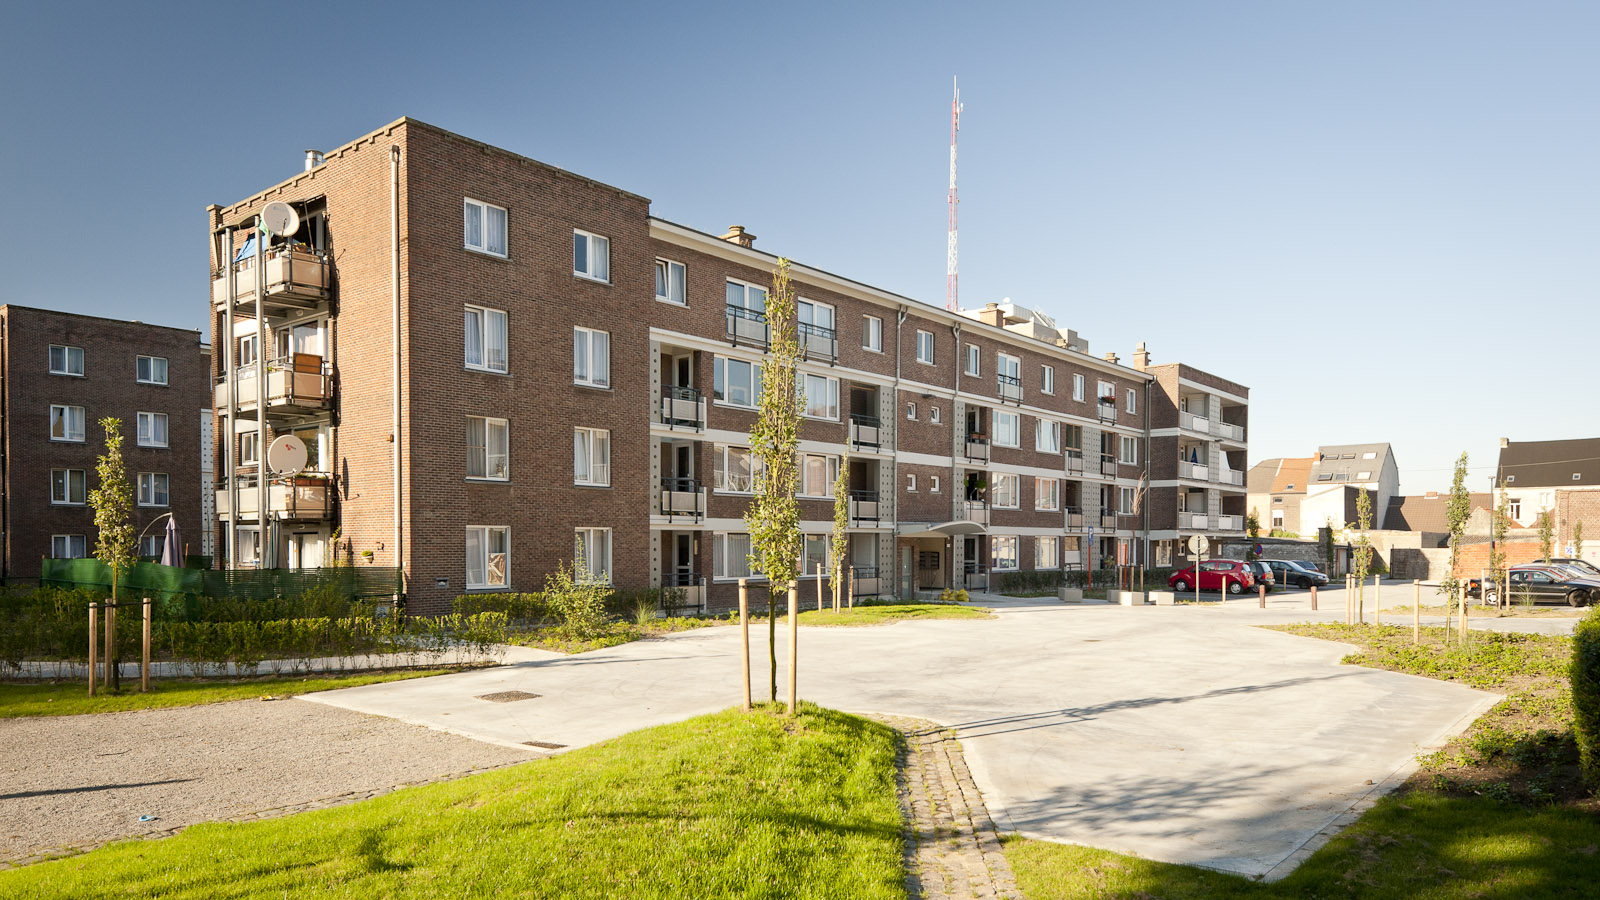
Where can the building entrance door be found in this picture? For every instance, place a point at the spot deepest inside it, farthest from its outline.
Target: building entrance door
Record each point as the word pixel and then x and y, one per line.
pixel 908 557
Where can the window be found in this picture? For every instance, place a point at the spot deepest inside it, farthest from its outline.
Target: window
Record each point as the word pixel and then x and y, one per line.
pixel 486 339
pixel 247 350
pixel 731 556
pixel 1009 368
pixel 815 554
pixel 1004 551
pixel 1006 492
pixel 591 555
pixel 1125 500
pixel 933 484
pixel 817 474
pixel 973 356
pixel 1363 476
pixel 814 318
pixel 153 489
pixel 1047 553
pixel 68 546
pixel 249 449
pixel 925 347
pixel 68 486
pixel 671 282
pixel 591 456
pixel 66 360
pixel 591 357
pixel 485 227
pixel 872 334
pixel 488 448
pixel 591 256
pixel 1077 387
pixel 736 382
pixel 152 429
pixel 1514 508
pixel 488 556
pixel 150 545
pixel 247 545
pixel 66 423
pixel 1072 437
pixel 1047 379
pixel 1132 404
pixel 1325 476
pixel 152 370
pixel 1128 451
pixel 749 297
pixel 1369 455
pixel 736 469
pixel 1107 391
pixel 1047 493
pixel 911 411
pixel 1047 437
pixel 933 415
pixel 821 396
pixel 911 482
pixel 1007 429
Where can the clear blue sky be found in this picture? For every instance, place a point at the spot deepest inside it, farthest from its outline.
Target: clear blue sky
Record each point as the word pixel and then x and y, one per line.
pixel 1334 204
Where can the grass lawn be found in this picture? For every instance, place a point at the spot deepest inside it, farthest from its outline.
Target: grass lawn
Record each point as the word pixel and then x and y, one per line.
pixel 620 633
pixel 72 698
pixel 725 805
pixel 884 615
pixel 1544 611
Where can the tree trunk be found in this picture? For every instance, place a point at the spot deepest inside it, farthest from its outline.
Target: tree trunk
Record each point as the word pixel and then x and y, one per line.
pixel 114 678
pixel 772 639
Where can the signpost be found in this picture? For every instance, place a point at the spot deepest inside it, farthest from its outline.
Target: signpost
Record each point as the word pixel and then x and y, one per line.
pixel 1199 546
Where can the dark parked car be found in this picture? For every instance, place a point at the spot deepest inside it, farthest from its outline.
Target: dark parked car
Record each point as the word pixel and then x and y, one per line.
pixel 1263 574
pixel 1215 575
pixel 1589 568
pixel 1293 571
pixel 1542 584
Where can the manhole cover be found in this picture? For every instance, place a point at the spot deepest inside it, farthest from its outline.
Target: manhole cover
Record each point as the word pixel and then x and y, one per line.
pixel 507 696
pixel 545 745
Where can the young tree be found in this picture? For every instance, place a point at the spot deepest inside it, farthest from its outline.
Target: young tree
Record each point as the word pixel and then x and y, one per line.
pixel 841 522
pixel 1546 535
pixel 113 505
pixel 1458 508
pixel 774 515
pixel 1363 549
pixel 1497 546
pixel 1577 539
pixel 1252 527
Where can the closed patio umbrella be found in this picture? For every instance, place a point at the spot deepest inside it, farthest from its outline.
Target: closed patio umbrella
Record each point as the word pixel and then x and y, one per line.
pixel 171 545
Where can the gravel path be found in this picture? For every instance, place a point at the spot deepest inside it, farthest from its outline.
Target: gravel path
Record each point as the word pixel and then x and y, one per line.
pixel 74 782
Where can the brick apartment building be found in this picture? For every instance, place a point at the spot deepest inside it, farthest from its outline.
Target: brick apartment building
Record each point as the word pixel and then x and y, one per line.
pixel 62 374
pixel 494 362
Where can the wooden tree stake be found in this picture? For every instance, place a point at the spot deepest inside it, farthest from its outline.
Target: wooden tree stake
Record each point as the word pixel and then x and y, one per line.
pixel 94 634
pixel 144 657
pixel 794 639
pixel 744 637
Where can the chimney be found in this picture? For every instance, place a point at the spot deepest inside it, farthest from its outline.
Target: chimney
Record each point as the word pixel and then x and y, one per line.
pixel 1504 442
pixel 1141 357
pixel 314 158
pixel 737 235
pixel 1432 495
pixel 1111 357
pixel 992 314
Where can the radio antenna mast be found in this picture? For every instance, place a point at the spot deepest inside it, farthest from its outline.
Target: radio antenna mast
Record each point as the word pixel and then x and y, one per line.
pixel 950 301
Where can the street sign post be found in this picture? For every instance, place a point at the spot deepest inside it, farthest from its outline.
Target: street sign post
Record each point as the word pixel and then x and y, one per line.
pixel 1199 545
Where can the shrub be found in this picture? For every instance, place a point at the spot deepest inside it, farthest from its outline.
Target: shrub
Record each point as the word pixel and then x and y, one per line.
pixel 955 595
pixel 580 605
pixel 1032 580
pixel 520 610
pixel 1585 674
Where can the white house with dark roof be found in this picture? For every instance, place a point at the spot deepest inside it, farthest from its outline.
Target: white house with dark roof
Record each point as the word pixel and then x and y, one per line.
pixel 1338 471
pixel 1559 477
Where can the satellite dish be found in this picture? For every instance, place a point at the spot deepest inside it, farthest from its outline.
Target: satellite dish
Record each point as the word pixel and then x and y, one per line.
pixel 286 455
pixel 280 218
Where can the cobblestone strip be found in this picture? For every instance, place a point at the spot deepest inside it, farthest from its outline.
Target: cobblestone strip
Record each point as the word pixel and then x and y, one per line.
pixel 952 846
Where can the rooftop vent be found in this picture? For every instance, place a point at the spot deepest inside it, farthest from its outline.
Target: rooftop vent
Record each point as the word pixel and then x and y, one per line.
pixel 1111 357
pixel 314 158
pixel 737 235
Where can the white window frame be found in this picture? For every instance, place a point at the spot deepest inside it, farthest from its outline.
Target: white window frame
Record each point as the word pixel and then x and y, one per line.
pixel 587 366
pixel 1047 380
pixel 485 363
pixel 484 532
pixel 664 269
pixel 1006 364
pixel 595 247
pixel 722 370
pixel 143 432
pixel 141 363
pixel 249 449
pixel 1128 450
pixel 1077 387
pixel 596 564
pixel 247 545
pixel 720 558
pixel 484 215
pixel 67 356
pixel 60 541
pixel 1014 432
pixel 491 450
pixel 69 436
pixel 830 396
pixel 147 493
pixel 872 334
pixel 1106 389
pixel 723 457
pixel 808 560
pixel 1047 436
pixel 933 484
pixel 925 347
pixel 587 468
pixel 1125 498
pixel 1132 404
pixel 911 410
pixel 830 469
pixel 817 306
pixel 746 291
pixel 1046 493
pixel 911 482
pixel 1011 555
pixel 1012 497
pixel 934 415
pixel 64 498
pixel 973 364
pixel 150 545
pixel 1051 560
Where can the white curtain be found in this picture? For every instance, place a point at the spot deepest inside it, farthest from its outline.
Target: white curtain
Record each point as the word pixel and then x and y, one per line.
pixel 475 560
pixel 497 231
pixel 474 230
pixel 495 355
pixel 474 338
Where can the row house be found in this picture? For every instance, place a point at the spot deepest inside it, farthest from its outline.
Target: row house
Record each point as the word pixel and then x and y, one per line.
pixel 498 366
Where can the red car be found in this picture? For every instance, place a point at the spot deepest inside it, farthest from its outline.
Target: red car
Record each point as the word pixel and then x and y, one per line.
pixel 1215 575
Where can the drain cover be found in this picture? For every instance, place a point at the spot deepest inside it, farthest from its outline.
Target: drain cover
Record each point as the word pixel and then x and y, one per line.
pixel 507 696
pixel 544 745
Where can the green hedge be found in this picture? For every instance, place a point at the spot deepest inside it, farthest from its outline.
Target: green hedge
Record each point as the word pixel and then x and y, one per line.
pixel 533 610
pixel 1586 695
pixel 1087 579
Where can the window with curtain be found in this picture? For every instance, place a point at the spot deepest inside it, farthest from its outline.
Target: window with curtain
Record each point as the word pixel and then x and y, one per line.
pixel 153 489
pixel 485 339
pixel 66 360
pixel 68 486
pixel 591 456
pixel 747 296
pixel 1007 429
pixel 1006 491
pixel 152 429
pixel 68 546
pixel 151 370
pixel 731 554
pixel 591 357
pixel 736 382
pixel 488 448
pixel 488 556
pixel 592 549
pixel 1047 437
pixel 736 469
pixel 485 227
pixel 821 396
pixel 670 282
pixel 591 256
pixel 66 423
pixel 817 474
pixel 1046 493
pixel 1004 551
pixel 1047 553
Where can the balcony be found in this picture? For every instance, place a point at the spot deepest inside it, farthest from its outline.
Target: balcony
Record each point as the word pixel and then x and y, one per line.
pixel 683 498
pixel 1230 523
pixel 295 279
pixel 1230 476
pixel 747 326
pixel 1108 520
pixel 867 583
pixel 683 407
pixel 1194 521
pixel 1074 462
pixel 1188 421
pixel 817 342
pixel 976 511
pixel 1074 519
pixel 1010 388
pixel 301 498
pixel 1108 464
pixel 865 431
pixel 976 576
pixel 1228 431
pixel 1193 471
pixel 977 448
pixel 864 507
pixel 1108 410
pixel 300 384
pixel 684 592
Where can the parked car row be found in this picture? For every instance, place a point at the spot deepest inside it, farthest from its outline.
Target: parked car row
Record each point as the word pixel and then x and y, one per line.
pixel 1236 577
pixel 1573 582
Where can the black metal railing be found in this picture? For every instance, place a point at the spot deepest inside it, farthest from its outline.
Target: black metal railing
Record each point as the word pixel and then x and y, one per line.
pixel 683 592
pixel 1074 518
pixel 1010 387
pixel 865 431
pixel 1108 410
pixel 680 407
pixel 1108 464
pixel 747 326
pixel 1074 461
pixel 977 448
pixel 682 497
pixel 1108 520
pixel 817 341
pixel 866 581
pixel 864 506
pixel 975 510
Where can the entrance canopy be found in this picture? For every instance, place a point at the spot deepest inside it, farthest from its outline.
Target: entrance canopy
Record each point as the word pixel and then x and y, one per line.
pixel 943 529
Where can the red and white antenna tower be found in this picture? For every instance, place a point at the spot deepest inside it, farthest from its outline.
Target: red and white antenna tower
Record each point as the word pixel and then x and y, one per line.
pixel 950 302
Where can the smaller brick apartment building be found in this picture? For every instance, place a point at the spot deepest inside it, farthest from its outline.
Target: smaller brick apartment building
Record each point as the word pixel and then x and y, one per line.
pixel 62 373
pixel 493 362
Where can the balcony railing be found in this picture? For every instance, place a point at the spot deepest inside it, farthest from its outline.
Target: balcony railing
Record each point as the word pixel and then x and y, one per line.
pixel 298 383
pixel 1191 422
pixel 975 576
pixel 1108 520
pixel 1193 471
pixel 1108 410
pixel 977 448
pixel 1230 476
pixel 1108 464
pixel 1194 520
pixel 1230 523
pixel 295 278
pixel 973 511
pixel 1228 431
pixel 817 342
pixel 683 407
pixel 300 497
pixel 686 593
pixel 865 431
pixel 683 497
pixel 1074 518
pixel 864 507
pixel 867 583
pixel 1010 388
pixel 1074 462
pixel 747 326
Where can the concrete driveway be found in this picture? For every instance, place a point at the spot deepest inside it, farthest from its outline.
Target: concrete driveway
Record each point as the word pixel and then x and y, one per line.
pixel 1176 733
